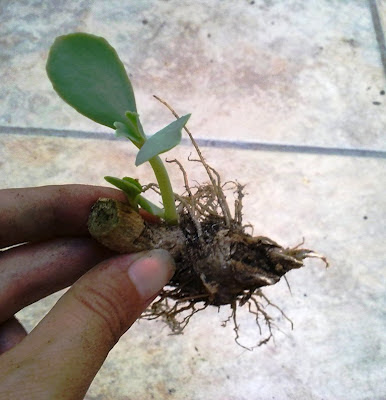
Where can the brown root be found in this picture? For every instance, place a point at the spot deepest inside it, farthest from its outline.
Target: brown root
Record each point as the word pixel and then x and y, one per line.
pixel 176 314
pixel 217 262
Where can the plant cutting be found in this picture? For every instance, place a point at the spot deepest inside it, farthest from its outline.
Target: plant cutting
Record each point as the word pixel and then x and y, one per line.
pixel 217 262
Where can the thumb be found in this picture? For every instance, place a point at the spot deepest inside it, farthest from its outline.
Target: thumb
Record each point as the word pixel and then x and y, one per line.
pixel 61 356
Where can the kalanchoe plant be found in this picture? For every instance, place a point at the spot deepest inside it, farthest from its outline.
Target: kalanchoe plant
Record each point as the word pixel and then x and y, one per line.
pixel 87 73
pixel 217 262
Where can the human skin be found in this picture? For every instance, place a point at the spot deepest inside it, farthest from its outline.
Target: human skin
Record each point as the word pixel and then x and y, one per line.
pixel 60 357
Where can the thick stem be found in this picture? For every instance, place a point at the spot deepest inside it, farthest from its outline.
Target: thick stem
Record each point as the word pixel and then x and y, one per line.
pixel 120 228
pixel 171 216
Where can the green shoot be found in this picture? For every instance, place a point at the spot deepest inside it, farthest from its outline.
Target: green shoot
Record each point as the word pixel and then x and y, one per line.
pixel 87 73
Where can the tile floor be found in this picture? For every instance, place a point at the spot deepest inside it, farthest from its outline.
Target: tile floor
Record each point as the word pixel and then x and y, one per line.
pixel 289 98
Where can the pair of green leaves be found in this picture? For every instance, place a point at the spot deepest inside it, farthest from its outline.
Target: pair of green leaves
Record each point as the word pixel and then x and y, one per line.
pixel 133 189
pixel 87 73
pixel 130 186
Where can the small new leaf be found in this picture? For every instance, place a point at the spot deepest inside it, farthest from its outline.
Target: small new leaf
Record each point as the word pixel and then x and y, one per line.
pixel 162 141
pixel 127 131
pixel 133 118
pixel 151 207
pixel 132 188
pixel 134 182
pixel 122 130
pixel 129 186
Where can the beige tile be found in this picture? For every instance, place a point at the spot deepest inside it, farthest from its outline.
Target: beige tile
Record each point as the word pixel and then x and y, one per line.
pixel 293 72
pixel 305 73
pixel 336 203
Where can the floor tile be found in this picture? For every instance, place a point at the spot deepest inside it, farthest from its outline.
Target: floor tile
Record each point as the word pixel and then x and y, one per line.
pixel 251 71
pixel 271 71
pixel 336 203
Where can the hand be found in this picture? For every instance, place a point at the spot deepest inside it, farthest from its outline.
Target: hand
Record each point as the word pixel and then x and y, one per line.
pixel 61 356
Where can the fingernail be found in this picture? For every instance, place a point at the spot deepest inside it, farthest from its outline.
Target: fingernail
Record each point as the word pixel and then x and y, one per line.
pixel 151 272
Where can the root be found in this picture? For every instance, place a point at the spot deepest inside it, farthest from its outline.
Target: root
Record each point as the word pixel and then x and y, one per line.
pixel 190 203
pixel 257 308
pixel 175 313
pixel 217 188
pixel 217 262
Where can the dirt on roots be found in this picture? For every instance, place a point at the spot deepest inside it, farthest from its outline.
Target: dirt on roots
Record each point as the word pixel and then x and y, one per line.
pixel 217 262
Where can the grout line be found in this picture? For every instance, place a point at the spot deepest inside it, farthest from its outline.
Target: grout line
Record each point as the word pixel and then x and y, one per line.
pixel 292 148
pixel 379 33
pixel 214 143
pixel 16 130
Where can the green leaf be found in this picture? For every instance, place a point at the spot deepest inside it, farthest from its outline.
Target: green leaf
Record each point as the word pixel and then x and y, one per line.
pixel 122 130
pixel 127 131
pixel 130 186
pixel 133 118
pixel 162 141
pixel 87 73
pixel 134 182
pixel 131 130
pixel 151 207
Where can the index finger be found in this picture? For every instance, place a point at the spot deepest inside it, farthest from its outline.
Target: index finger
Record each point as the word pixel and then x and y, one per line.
pixel 35 214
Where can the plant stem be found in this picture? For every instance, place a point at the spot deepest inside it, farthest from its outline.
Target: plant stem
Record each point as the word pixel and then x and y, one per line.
pixel 171 216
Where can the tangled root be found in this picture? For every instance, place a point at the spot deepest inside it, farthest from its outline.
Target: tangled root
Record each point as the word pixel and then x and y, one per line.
pixel 177 314
pixel 220 263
